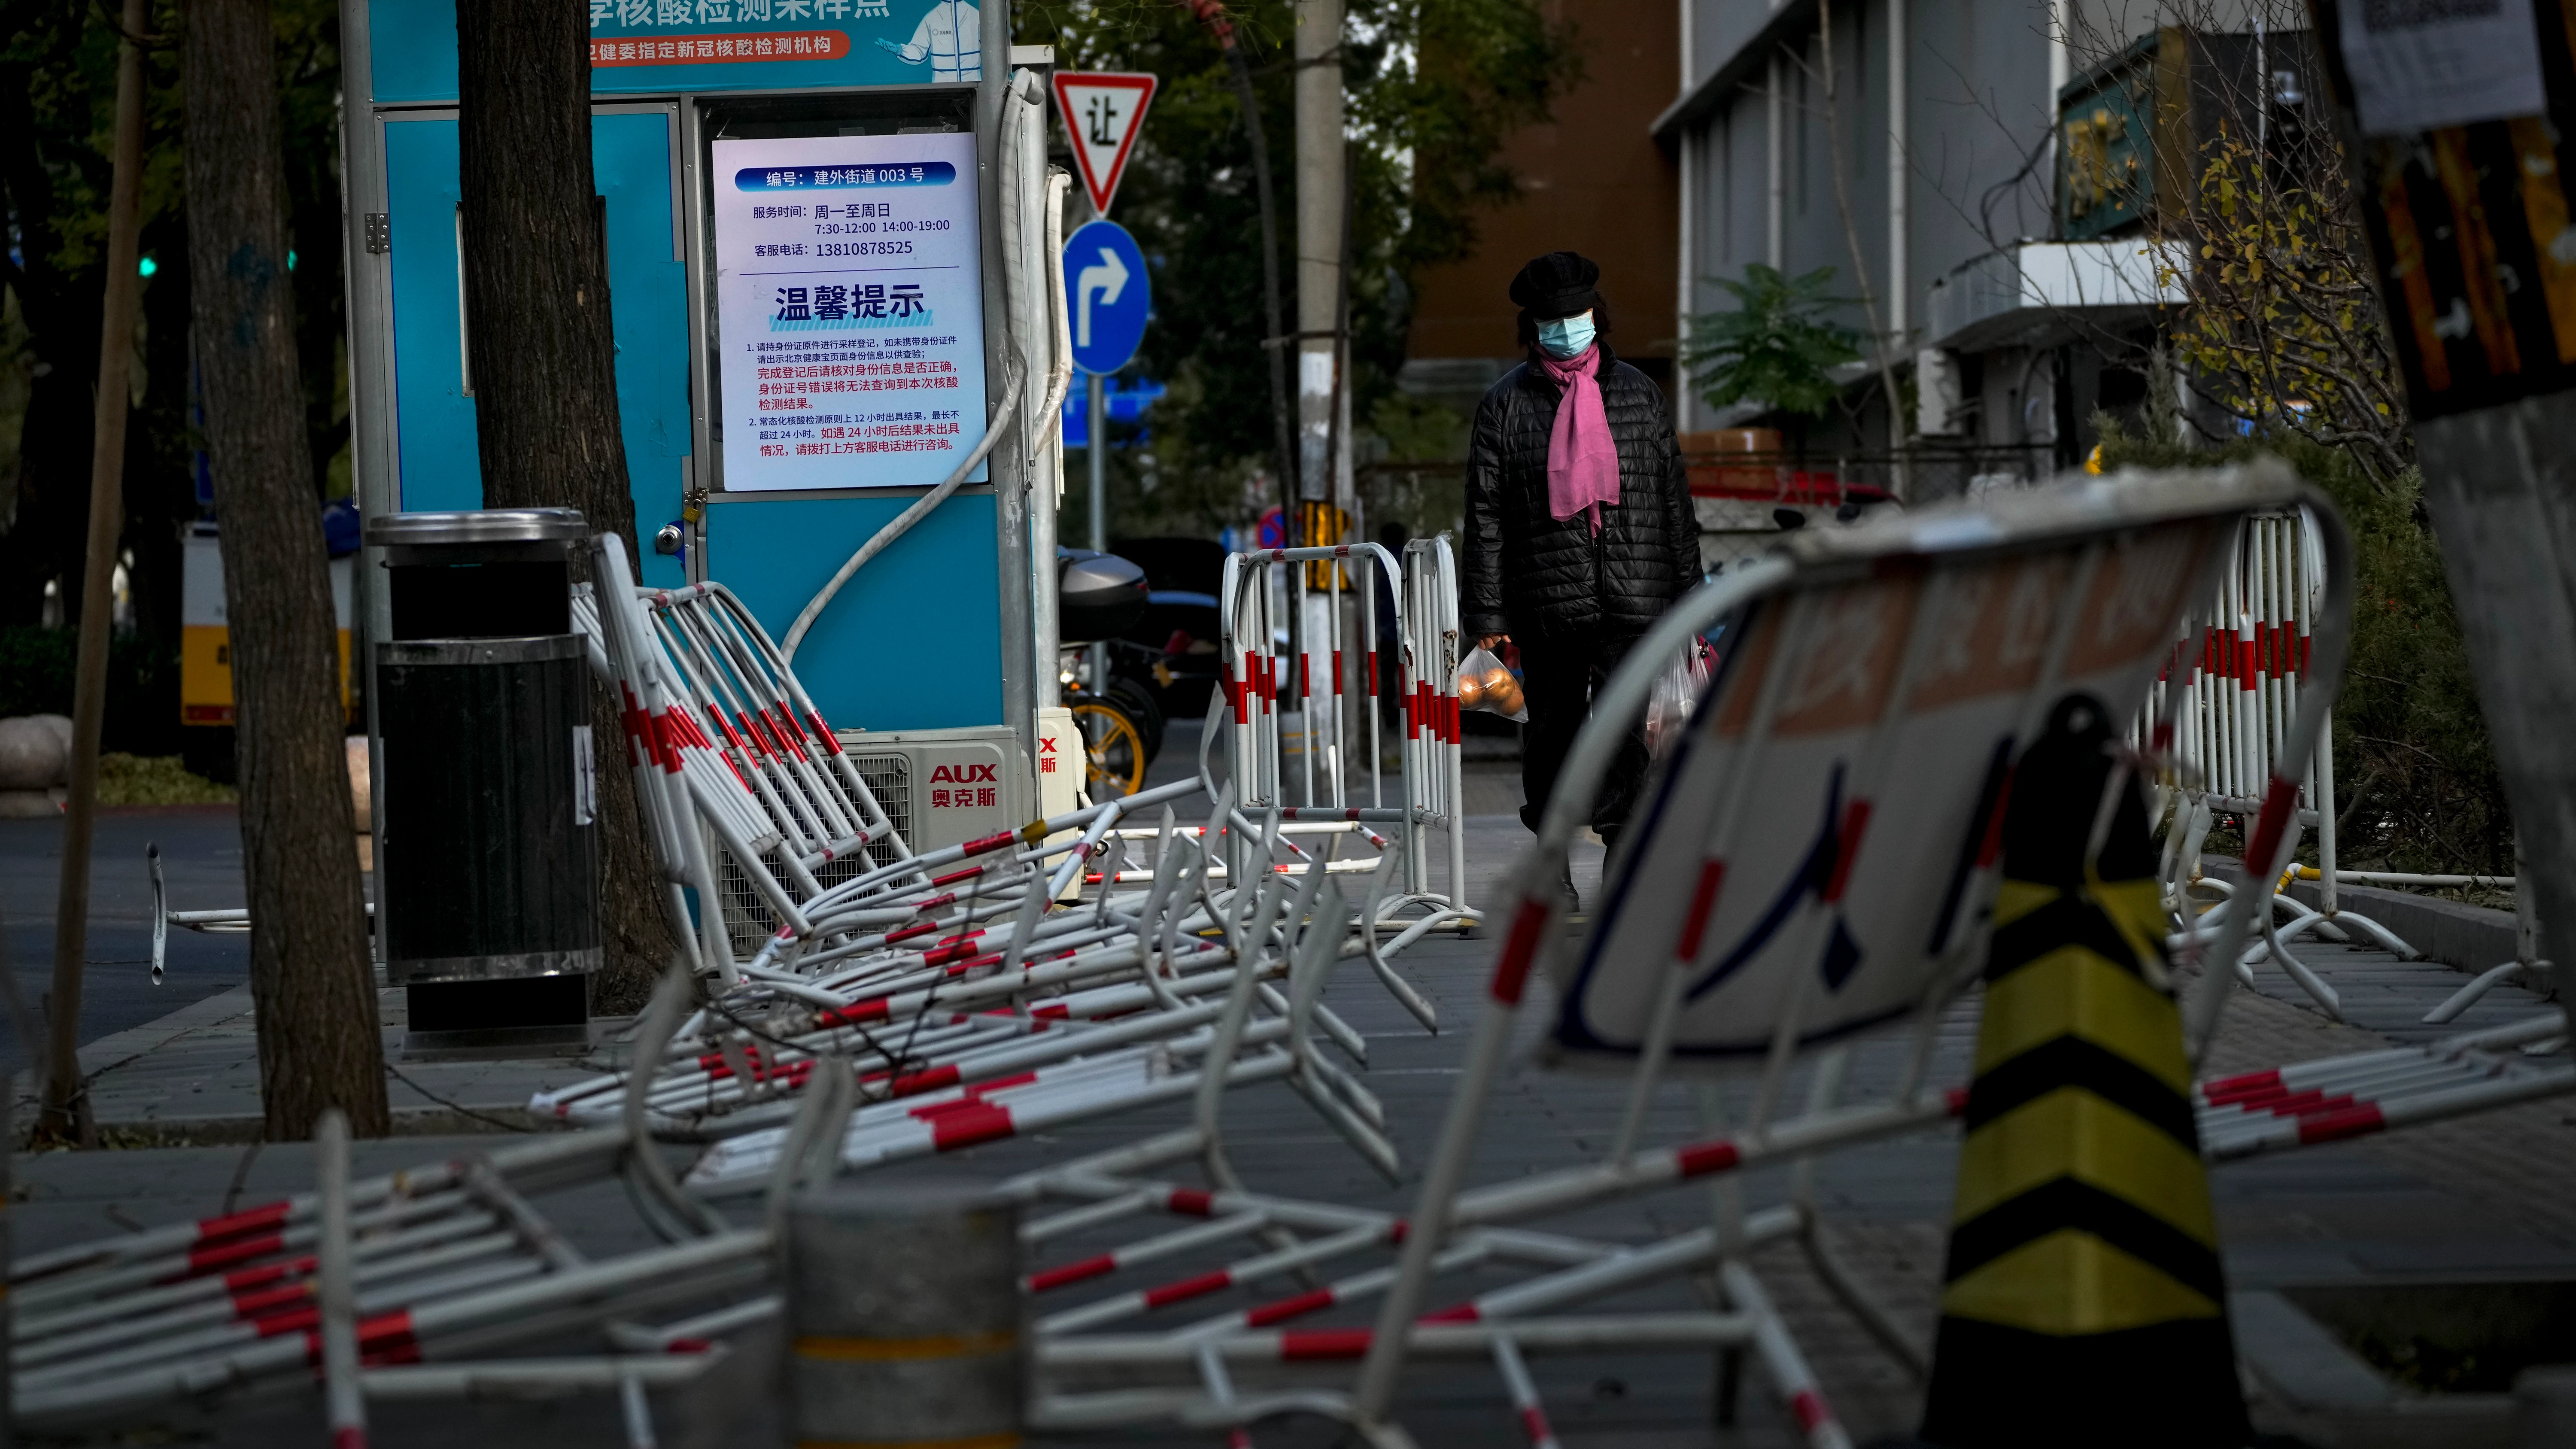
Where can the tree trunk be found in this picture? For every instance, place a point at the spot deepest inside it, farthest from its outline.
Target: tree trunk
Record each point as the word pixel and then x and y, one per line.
pixel 544 361
pixel 316 1004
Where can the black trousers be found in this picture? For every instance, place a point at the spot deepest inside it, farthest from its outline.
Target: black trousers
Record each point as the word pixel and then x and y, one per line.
pixel 1558 677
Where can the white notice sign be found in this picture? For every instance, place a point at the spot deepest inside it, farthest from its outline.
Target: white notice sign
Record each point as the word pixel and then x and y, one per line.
pixel 2419 65
pixel 849 310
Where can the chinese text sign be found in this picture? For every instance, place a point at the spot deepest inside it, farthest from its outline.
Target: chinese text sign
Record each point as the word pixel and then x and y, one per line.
pixel 849 310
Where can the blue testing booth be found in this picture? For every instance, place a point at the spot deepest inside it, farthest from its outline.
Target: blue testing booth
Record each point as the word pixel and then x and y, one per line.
pixel 805 268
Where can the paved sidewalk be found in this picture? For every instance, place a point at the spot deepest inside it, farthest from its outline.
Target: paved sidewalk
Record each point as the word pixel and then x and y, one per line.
pixel 192 1078
pixel 2490 1199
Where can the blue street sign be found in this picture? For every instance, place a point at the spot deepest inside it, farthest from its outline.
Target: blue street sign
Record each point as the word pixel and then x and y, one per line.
pixel 1123 404
pixel 1106 295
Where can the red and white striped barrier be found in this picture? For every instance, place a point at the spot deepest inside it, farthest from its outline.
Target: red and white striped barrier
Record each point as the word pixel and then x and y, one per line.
pixel 2328 1100
pixel 962 1003
pixel 1843 698
pixel 2233 691
pixel 446 1263
pixel 1296 724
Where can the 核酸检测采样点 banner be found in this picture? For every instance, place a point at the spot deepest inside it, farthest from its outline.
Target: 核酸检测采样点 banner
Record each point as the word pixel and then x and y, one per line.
pixel 849 310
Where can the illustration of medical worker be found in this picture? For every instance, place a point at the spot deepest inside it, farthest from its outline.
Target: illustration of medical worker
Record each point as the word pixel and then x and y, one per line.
pixel 950 37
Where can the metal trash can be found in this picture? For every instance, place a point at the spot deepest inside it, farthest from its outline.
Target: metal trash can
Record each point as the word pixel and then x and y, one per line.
pixel 487 853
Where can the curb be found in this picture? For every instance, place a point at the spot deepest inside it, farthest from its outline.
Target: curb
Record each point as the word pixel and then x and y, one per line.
pixel 2464 937
pixel 153 1132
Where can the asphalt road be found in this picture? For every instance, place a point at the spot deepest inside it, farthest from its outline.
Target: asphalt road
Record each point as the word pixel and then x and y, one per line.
pixel 201 861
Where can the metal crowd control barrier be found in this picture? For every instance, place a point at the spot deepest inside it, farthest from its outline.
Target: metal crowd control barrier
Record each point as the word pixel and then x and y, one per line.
pixel 1433 650
pixel 933 1003
pixel 803 817
pixel 829 819
pixel 954 994
pixel 1899 745
pixel 2333 1098
pixel 445 1264
pixel 1291 723
pixel 958 1033
pixel 2234 688
pixel 1845 702
pixel 221 921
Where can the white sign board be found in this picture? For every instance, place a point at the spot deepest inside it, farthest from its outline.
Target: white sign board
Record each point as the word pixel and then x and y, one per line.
pixel 1858 893
pixel 1103 112
pixel 849 310
pixel 2419 65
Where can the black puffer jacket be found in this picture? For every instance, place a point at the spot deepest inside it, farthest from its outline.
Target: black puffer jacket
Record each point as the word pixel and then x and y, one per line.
pixel 1527 574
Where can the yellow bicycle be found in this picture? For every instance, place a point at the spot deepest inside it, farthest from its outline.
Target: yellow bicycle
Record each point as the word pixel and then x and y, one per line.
pixel 1115 749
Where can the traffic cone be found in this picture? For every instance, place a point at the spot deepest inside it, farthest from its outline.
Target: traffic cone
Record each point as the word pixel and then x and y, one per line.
pixel 2082 1302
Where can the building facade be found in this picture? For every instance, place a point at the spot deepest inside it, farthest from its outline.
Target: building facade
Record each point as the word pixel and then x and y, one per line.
pixel 2000 163
pixel 1593 180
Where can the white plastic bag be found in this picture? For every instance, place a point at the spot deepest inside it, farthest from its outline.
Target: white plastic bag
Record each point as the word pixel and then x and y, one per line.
pixel 1677 691
pixel 1483 683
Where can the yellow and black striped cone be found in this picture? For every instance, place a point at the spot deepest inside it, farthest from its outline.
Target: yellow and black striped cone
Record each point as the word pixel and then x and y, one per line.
pixel 2082 1301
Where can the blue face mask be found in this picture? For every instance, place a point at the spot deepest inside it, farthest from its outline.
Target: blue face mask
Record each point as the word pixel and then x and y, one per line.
pixel 1566 336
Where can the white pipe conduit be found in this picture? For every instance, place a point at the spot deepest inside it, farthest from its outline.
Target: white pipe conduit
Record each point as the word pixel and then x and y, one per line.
pixel 1023 120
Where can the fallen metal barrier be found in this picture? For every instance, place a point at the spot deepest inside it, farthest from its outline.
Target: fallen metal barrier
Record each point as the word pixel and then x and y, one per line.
pixel 2334 1098
pixel 829 821
pixel 930 1003
pixel 222 921
pixel 444 1264
pixel 761 771
pixel 960 998
pixel 1706 957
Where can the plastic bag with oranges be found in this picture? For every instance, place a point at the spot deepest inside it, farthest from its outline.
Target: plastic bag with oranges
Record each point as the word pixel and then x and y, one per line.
pixel 1484 683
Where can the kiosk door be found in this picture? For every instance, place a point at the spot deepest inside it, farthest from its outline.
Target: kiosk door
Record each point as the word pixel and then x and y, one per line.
pixel 633 150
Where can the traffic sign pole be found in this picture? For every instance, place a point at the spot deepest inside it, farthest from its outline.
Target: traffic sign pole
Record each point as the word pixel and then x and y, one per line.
pixel 1097 445
pixel 1107 293
pixel 1098 435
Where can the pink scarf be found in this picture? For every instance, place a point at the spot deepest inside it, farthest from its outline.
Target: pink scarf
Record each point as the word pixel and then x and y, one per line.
pixel 1582 457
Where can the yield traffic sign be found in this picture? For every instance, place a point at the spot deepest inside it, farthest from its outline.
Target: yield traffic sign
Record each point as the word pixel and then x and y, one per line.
pixel 1106 295
pixel 1103 111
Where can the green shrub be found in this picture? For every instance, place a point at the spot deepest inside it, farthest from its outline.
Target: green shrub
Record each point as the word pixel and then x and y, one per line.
pixel 156 780
pixel 36 670
pixel 1778 346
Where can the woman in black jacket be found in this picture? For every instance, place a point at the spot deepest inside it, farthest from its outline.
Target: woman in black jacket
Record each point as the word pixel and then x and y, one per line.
pixel 1579 523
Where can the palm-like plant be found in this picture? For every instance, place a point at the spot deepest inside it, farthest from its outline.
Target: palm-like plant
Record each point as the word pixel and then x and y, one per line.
pixel 1775 346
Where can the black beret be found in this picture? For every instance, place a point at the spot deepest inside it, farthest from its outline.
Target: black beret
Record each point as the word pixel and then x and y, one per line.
pixel 1559 284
